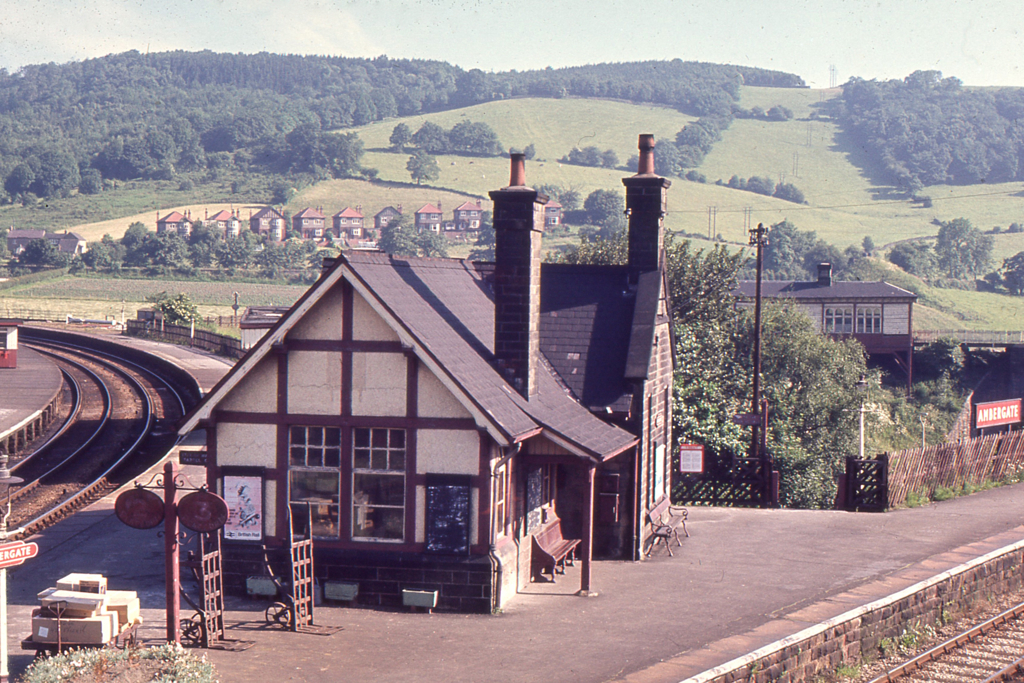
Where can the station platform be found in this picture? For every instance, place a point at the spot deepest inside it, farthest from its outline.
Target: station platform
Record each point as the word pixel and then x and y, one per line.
pixel 27 392
pixel 742 580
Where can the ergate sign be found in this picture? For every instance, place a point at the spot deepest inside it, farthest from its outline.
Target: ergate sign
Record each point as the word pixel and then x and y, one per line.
pixel 13 554
pixel 997 413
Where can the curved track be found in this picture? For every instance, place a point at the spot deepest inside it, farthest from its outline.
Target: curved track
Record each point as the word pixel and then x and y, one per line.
pixel 989 652
pixel 118 433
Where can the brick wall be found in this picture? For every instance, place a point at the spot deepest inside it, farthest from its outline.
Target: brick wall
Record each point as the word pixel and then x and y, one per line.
pixel 851 635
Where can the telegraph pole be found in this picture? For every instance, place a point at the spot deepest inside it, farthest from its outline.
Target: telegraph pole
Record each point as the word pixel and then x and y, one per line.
pixel 759 240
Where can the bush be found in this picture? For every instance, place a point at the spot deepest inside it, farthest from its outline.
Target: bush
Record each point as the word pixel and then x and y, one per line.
pixel 163 663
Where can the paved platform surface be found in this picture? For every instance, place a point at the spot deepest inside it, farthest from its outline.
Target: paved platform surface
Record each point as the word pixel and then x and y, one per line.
pixel 743 579
pixel 206 367
pixel 26 389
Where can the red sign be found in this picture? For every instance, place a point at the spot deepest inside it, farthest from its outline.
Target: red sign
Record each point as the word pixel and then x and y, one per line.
pixel 203 511
pixel 139 508
pixel 997 413
pixel 13 554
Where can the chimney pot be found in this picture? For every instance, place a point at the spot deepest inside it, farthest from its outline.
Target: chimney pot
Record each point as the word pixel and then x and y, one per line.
pixel 517 176
pixel 646 164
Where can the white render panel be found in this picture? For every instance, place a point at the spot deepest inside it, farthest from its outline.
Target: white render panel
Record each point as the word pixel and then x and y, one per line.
pixel 314 382
pixel 246 445
pixel 448 451
pixel 323 320
pixel 896 319
pixel 421 514
pixel 270 508
pixel 434 400
pixel 379 384
pixel 367 325
pixel 257 391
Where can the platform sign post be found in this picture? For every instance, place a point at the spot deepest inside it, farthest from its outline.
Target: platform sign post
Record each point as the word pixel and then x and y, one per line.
pixel 11 554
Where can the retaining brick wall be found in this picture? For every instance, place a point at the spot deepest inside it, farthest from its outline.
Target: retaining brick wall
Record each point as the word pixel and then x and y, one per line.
pixel 849 636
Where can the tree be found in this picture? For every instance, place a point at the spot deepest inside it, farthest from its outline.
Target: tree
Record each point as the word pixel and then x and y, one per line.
pixel 20 179
pixel 43 253
pixel 868 245
pixel 432 244
pixel 605 208
pixel 91 182
pixel 1013 273
pixel 400 138
pixel 609 159
pixel 57 175
pixel 962 249
pixel 179 310
pixel 431 138
pixel 530 151
pixel 422 166
pixel 237 252
pixel 789 192
pixel 397 238
pixel 485 238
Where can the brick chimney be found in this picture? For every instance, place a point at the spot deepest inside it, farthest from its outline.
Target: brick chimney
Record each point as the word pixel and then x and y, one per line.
pixel 825 274
pixel 645 206
pixel 518 228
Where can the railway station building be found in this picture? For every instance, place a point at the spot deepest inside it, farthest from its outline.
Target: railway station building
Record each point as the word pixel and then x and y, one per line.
pixel 442 421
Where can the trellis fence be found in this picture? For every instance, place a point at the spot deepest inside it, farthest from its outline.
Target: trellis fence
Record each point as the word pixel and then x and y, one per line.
pixel 179 334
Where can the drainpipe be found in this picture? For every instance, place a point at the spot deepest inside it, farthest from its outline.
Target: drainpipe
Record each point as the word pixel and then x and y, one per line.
pixel 496 566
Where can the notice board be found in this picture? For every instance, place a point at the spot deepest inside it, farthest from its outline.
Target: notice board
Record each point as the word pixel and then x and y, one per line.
pixel 448 511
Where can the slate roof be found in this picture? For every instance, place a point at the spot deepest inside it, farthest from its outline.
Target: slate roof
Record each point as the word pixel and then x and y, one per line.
pixel 445 309
pixel 388 210
pixel 586 318
pixel 266 212
pixel 26 234
pixel 812 290
pixel 448 306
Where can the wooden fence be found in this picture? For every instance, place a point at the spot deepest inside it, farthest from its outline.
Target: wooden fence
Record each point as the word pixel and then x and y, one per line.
pixel 951 465
pixel 179 334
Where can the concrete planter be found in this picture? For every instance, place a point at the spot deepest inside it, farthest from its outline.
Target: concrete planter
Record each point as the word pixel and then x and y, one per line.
pixel 427 599
pixel 336 590
pixel 260 586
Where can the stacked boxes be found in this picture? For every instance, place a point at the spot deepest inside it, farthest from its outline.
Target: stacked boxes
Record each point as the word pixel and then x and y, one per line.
pixel 88 613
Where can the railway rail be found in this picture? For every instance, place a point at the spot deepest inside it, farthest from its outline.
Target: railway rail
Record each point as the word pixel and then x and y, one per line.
pixel 118 431
pixel 988 652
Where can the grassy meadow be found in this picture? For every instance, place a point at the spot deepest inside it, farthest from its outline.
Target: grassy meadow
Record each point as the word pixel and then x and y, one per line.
pixel 846 200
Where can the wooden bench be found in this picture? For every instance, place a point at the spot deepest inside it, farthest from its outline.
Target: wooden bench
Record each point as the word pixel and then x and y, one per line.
pixel 661 518
pixel 551 550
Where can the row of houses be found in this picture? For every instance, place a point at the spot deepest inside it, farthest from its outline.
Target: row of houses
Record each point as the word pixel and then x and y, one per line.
pixel 348 224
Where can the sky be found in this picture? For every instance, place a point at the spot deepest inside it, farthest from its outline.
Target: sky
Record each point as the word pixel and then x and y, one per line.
pixel 977 41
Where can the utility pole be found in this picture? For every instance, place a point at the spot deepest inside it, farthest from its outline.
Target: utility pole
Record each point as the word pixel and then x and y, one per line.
pixel 796 164
pixel 759 240
pixel 712 222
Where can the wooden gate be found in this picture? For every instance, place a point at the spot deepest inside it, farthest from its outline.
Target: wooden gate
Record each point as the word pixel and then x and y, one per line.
pixel 867 484
pixel 213 588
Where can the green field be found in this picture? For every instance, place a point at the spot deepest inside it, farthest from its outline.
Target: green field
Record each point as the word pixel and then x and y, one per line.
pixel 105 297
pixel 845 199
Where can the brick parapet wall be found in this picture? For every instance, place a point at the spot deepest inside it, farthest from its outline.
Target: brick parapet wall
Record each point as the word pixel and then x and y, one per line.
pixel 858 632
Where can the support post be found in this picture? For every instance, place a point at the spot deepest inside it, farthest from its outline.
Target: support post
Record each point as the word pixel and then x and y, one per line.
pixel 4 673
pixel 588 533
pixel 172 560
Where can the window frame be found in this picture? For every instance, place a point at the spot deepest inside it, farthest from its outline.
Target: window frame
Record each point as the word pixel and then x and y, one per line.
pixel 361 510
pixel 329 439
pixel 872 314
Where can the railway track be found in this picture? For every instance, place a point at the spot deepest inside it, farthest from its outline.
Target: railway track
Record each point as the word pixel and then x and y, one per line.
pixel 988 652
pixel 120 429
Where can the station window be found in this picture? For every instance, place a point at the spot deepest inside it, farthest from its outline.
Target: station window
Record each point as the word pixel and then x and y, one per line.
pixel 839 320
pixel 314 477
pixel 378 484
pixel 500 496
pixel 869 320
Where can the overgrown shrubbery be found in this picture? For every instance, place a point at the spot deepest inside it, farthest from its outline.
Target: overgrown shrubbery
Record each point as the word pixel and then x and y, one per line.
pixel 164 663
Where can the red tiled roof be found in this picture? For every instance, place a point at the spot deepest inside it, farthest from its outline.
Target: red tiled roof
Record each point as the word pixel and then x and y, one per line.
pixel 429 208
pixel 309 212
pixel 552 204
pixel 349 212
pixel 222 215
pixel 469 206
pixel 172 217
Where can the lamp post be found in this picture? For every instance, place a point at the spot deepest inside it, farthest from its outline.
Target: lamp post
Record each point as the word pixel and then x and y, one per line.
pixel 862 386
pixel 758 239
pixel 6 482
